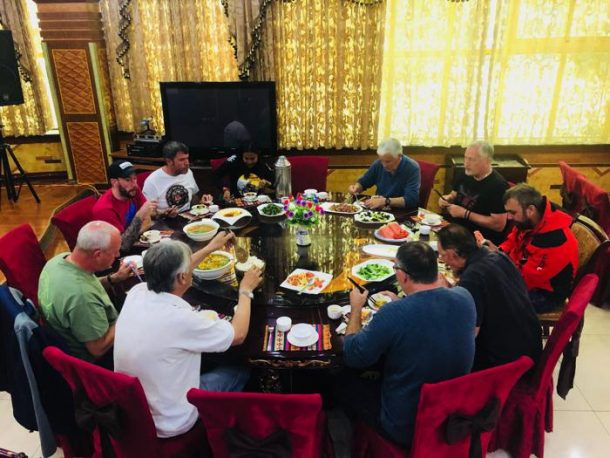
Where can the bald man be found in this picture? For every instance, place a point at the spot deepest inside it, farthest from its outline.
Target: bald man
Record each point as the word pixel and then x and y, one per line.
pixel 73 301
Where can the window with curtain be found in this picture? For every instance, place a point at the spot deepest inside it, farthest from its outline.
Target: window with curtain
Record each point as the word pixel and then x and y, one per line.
pixel 36 115
pixel 510 71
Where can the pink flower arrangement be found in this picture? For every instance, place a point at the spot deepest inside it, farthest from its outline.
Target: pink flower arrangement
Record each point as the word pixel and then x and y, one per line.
pixel 302 211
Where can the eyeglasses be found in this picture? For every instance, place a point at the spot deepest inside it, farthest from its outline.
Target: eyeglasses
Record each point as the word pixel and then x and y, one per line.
pixel 399 267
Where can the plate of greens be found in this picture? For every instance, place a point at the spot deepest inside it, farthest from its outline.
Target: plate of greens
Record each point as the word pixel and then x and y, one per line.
pixel 271 210
pixel 373 217
pixel 373 270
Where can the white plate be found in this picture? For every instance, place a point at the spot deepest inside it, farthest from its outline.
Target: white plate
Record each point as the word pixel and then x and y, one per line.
pixel 136 258
pixel 326 278
pixel 385 251
pixel 239 213
pixel 384 262
pixel 302 343
pixel 362 217
pixel 154 234
pixel 280 206
pixel 199 210
pixel 379 297
pixel 327 208
pixel 385 239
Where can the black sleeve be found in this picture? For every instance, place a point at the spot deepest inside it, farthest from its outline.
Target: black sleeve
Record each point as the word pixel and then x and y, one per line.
pixel 476 289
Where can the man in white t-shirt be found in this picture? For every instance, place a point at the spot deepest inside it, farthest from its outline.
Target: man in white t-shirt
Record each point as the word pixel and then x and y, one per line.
pixel 159 337
pixel 173 185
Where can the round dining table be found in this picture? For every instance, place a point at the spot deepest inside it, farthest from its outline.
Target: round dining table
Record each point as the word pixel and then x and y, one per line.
pixel 337 243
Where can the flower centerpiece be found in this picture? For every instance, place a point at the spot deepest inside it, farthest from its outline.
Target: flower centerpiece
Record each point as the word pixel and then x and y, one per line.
pixel 303 213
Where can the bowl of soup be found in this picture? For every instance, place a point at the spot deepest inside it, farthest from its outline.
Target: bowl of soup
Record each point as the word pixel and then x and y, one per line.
pixel 214 265
pixel 202 230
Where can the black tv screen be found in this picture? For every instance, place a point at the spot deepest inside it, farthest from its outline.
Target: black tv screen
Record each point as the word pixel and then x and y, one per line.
pixel 214 118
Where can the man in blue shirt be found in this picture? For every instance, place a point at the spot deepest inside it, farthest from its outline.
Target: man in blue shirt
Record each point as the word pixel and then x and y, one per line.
pixel 425 337
pixel 396 176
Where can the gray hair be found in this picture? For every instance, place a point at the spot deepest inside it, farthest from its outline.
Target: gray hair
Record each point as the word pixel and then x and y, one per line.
pixel 163 262
pixel 390 146
pixel 95 235
pixel 484 148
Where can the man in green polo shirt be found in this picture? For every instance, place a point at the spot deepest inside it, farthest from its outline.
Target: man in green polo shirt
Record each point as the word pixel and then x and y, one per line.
pixel 74 301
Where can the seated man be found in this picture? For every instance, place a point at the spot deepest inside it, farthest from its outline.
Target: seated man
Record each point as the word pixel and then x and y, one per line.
pixel 396 176
pixel 476 201
pixel 425 337
pixel 507 325
pixel 160 337
pixel 73 300
pixel 123 205
pixel 541 245
pixel 245 172
pixel 173 186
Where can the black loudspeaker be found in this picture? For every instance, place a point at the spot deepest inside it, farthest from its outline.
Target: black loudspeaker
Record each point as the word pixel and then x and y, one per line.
pixel 10 83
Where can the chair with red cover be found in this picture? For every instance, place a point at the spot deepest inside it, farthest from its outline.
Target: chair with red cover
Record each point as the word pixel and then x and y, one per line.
pixel 141 178
pixel 308 172
pixel 528 412
pixel 22 260
pixel 463 403
pixel 99 393
pixel 257 422
pixel 571 196
pixel 72 218
pixel 427 171
pixel 596 203
pixel 215 165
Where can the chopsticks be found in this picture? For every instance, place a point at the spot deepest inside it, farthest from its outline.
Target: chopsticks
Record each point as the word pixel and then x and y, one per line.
pixel 441 196
pixel 135 272
pixel 362 289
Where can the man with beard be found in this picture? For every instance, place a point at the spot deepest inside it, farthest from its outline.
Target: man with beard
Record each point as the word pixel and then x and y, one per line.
pixel 476 201
pixel 541 245
pixel 173 185
pixel 507 325
pixel 123 205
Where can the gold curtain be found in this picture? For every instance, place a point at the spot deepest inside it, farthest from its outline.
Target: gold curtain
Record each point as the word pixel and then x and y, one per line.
pixel 178 40
pixel 510 71
pixel 325 57
pixel 33 117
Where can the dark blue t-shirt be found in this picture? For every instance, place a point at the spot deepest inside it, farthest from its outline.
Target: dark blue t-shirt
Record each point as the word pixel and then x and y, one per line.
pixel 426 337
pixel 404 182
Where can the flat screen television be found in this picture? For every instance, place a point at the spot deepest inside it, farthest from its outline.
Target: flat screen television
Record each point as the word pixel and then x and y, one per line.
pixel 216 118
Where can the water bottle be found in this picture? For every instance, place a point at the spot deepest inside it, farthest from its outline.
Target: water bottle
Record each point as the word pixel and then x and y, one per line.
pixel 283 179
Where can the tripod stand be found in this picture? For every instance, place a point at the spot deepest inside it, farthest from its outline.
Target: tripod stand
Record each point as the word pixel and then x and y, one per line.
pixel 7 176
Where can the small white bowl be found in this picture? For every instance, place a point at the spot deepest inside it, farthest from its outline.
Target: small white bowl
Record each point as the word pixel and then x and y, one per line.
pixel 334 311
pixel 283 323
pixel 203 236
pixel 310 192
pixel 150 237
pixel 432 219
pixel 424 229
pixel 213 274
pixel 250 196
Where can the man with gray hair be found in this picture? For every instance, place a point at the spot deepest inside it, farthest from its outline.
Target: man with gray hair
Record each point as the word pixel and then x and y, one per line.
pixel 396 176
pixel 160 337
pixel 476 202
pixel 73 301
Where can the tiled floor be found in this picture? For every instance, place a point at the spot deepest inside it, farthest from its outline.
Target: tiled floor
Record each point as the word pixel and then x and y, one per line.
pixel 582 422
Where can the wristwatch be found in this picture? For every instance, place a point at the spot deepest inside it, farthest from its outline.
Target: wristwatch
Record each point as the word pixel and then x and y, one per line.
pixel 245 292
pixel 387 201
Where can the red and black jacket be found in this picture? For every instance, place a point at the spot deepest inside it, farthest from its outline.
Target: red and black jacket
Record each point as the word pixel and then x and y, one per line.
pixel 547 255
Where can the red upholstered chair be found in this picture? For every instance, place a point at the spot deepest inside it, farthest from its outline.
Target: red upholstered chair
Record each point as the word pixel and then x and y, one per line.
pixel 528 412
pixel 465 397
pixel 571 195
pixel 427 172
pixel 22 260
pixel 105 389
pixel 596 203
pixel 308 172
pixel 72 218
pixel 258 416
pixel 141 178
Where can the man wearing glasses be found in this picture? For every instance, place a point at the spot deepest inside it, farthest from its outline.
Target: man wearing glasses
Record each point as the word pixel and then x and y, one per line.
pixel 425 337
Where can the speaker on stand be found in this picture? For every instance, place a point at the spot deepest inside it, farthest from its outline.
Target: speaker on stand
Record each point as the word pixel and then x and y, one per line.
pixel 10 94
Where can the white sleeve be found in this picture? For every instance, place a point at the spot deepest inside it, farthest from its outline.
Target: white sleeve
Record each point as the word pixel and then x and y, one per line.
pixel 193 183
pixel 205 336
pixel 149 189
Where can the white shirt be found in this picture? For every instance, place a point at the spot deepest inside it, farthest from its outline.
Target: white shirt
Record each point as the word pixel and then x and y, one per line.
pixel 159 339
pixel 168 190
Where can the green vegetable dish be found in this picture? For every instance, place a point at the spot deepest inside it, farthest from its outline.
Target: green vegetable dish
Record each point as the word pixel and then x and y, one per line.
pixel 374 271
pixel 271 210
pixel 374 217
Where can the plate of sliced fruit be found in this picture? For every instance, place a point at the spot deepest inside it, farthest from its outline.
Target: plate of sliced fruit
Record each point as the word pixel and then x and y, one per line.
pixel 393 233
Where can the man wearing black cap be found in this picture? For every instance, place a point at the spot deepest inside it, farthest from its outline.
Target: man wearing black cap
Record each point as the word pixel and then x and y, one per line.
pixel 123 205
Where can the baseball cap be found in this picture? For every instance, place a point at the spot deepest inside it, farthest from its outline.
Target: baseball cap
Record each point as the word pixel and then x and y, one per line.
pixel 121 169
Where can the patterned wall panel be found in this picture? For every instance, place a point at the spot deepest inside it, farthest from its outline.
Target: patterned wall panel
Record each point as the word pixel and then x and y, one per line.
pixel 106 89
pixel 87 152
pixel 75 89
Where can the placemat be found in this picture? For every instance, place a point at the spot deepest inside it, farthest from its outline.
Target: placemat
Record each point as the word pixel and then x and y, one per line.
pixel 276 340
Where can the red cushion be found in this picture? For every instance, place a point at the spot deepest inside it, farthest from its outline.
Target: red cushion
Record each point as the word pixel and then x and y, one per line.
pixel 22 260
pixel 259 415
pixel 597 202
pixel 308 172
pixel 71 219
pixel 427 171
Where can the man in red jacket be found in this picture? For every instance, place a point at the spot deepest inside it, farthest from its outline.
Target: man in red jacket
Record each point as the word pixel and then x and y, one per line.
pixel 541 245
